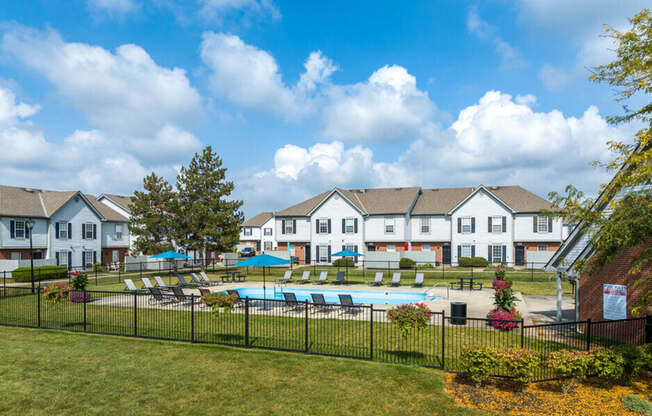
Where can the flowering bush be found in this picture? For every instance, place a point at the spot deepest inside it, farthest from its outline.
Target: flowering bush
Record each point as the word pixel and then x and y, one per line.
pixel 408 317
pixel 478 362
pixel 521 364
pixel 606 364
pixel 500 272
pixel 569 366
pixel 56 293
pixel 78 280
pixel 219 300
pixel 79 296
pixel 504 319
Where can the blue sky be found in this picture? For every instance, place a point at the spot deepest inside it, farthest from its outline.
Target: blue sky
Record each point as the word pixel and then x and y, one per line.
pixel 297 97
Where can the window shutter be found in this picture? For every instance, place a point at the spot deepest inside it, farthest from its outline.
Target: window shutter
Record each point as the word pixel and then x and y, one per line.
pixel 343 225
pixel 489 254
pixel 294 226
pixel 282 226
pixel 459 252
pixel 459 225
pixel 94 256
pixel 12 228
pixel 473 250
pixel 355 225
pixel 504 254
pixel 26 231
pixel 56 228
pixel 329 252
pixel 329 226
pixel 534 224
pixel 504 224
pixel 70 258
pixel 94 231
pixel 549 224
pixel 57 256
pixel 355 259
pixel 489 225
pixel 316 254
pixel 69 230
pixel 316 226
pixel 83 231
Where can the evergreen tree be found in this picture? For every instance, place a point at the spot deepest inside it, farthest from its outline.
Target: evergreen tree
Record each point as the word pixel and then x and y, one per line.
pixel 210 221
pixel 153 216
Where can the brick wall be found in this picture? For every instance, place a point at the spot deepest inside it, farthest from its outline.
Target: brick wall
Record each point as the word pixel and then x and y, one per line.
pixel 436 247
pixel 24 253
pixel 399 246
pixel 107 255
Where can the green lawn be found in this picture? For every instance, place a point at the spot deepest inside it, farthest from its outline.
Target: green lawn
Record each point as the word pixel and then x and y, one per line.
pixel 51 372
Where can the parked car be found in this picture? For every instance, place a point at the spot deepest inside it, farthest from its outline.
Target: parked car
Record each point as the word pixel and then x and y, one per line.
pixel 294 259
pixel 248 252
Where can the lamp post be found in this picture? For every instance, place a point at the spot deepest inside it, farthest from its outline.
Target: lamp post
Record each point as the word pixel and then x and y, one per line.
pixel 29 224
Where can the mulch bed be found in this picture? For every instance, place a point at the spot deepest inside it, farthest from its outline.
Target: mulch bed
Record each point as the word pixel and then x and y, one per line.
pixel 587 399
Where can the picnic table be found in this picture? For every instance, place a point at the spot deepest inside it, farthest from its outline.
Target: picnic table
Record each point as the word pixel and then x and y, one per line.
pixel 234 275
pixel 466 281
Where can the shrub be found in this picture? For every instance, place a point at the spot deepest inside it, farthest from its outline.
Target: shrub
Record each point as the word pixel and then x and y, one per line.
pixel 426 266
pixel 78 280
pixel 504 319
pixel 97 267
pixel 344 262
pixel 606 364
pixel 500 272
pixel 22 274
pixel 409 317
pixel 647 357
pixel 219 300
pixel 478 362
pixel 637 404
pixel 633 361
pixel 406 263
pixel 521 364
pixel 503 296
pixel 472 262
pixel 569 366
pixel 56 293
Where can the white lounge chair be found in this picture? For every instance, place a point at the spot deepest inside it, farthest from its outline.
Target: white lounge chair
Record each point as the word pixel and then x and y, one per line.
pixel 323 277
pixel 305 277
pixel 286 277
pixel 148 283
pixel 131 286
pixel 418 279
pixel 160 281
pixel 378 280
pixel 396 279
pixel 207 280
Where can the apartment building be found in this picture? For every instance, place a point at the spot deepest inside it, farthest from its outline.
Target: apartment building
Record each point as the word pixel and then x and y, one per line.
pixel 499 223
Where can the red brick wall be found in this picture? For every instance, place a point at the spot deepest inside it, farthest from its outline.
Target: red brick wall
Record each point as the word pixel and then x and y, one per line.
pixel 24 253
pixel 299 250
pixel 383 246
pixel 436 247
pixel 107 255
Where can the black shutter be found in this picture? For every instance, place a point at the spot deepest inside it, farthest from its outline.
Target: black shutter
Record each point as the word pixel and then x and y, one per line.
pixel 355 225
pixel 329 252
pixel 343 225
pixel 504 224
pixel 94 231
pixel 329 226
pixel 489 225
pixel 459 225
pixel 489 254
pixel 316 226
pixel 69 230
pixel 83 231
pixel 473 250
pixel 294 226
pixel 56 227
pixel 316 254
pixel 70 258
pixel 26 231
pixel 12 228
pixel 282 226
pixel 57 256
pixel 504 254
pixel 549 224
pixel 459 253
pixel 473 224
pixel 534 224
pixel 355 249
pixel 94 257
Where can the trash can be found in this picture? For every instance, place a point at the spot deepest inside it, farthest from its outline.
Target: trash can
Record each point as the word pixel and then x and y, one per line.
pixel 458 313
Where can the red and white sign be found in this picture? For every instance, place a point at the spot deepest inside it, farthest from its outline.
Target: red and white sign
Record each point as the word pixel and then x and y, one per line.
pixel 614 304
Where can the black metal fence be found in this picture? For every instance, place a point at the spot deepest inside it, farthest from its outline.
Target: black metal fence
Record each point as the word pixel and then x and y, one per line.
pixel 361 331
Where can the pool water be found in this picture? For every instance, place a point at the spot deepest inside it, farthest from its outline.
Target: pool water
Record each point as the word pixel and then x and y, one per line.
pixel 376 297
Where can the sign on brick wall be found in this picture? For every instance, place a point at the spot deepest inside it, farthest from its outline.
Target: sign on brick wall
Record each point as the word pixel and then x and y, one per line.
pixel 614 303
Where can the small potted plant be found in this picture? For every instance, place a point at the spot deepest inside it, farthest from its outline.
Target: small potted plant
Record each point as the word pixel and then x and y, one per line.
pixel 78 281
pixel 409 317
pixel 504 315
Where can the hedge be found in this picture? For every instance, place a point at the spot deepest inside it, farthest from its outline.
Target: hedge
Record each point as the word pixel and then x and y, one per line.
pixel 472 262
pixel 344 262
pixel 23 274
pixel 406 263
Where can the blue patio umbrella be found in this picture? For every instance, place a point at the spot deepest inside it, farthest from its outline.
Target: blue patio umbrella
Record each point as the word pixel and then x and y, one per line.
pixel 346 253
pixel 262 260
pixel 169 255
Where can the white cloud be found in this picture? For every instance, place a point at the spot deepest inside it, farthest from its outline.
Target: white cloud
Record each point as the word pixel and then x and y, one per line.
pixel 510 56
pixel 216 9
pixel 500 140
pixel 116 9
pixel 124 92
pixel 11 111
pixel 388 106
pixel 250 77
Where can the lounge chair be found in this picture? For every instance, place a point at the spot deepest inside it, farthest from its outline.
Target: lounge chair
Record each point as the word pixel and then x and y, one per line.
pixel 286 277
pixel 418 279
pixel 158 296
pixel 197 280
pixel 148 283
pixel 319 303
pixel 160 282
pixel 340 277
pixel 179 295
pixel 208 281
pixel 378 280
pixel 347 305
pixel 396 279
pixel 305 277
pixel 239 302
pixel 323 277
pixel 291 302
pixel 183 282
pixel 132 287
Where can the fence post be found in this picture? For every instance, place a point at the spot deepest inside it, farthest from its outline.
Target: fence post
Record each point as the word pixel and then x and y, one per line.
pixel 94 266
pixel 119 271
pixel 135 314
pixel 387 267
pixel 588 334
pixel 522 332
pixel 192 318
pixel 38 306
pixel 141 269
pixel 306 325
pixel 84 302
pixel 247 321
pixel 648 329
pixel 371 332
pixel 443 336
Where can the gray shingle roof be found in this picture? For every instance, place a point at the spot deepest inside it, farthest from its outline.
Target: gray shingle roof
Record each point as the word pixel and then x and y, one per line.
pixel 303 208
pixel 108 213
pixel 258 220
pixel 122 200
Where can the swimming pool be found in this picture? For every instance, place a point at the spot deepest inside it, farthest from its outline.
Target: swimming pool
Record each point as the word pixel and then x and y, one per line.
pixel 376 297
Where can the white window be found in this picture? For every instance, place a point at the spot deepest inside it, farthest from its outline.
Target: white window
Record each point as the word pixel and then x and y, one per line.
pixel 88 258
pixel 63 230
pixel 391 247
pixel 496 224
pixel 268 231
pixel 425 247
pixel 118 231
pixel 323 226
pixel 63 258
pixel 15 255
pixel 389 225
pixel 267 245
pixel 89 231
pixel 466 225
pixel 543 247
pixel 115 256
pixel 542 224
pixel 323 254
pixel 19 229
pixel 348 225
pixel 497 254
pixel 466 250
pixel 425 225
pixel 247 230
pixel 289 229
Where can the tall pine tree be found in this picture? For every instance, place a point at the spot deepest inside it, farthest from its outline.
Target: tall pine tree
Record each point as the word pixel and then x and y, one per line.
pixel 153 216
pixel 211 221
